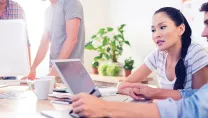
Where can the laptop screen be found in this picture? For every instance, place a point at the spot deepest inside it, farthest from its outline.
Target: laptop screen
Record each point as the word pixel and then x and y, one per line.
pixel 76 76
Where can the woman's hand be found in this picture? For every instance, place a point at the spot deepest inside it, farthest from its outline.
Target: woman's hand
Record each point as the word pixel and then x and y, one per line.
pixel 125 88
pixel 139 91
pixel 89 106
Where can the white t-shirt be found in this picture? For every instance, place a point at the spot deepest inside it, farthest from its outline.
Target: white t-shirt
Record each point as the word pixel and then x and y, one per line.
pixel 196 59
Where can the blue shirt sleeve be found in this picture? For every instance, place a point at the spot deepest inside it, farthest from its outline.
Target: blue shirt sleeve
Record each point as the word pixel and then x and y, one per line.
pixel 167 108
pixel 195 106
pixel 187 92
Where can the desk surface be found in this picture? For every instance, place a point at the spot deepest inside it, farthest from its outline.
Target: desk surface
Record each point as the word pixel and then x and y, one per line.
pixel 113 80
pixel 28 107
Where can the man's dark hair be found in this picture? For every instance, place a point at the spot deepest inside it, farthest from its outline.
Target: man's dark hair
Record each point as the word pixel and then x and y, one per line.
pixel 204 7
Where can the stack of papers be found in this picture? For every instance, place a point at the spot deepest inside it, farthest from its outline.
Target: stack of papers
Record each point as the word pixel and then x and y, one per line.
pixel 12 95
pixel 60 95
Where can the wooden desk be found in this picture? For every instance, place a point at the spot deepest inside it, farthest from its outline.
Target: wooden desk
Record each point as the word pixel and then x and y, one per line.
pixel 112 81
pixel 28 107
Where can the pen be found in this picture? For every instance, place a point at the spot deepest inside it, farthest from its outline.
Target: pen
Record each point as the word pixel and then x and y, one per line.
pixel 92 92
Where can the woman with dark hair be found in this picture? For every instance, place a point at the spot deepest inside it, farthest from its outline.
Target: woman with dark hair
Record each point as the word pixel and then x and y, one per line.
pixel 194 106
pixel 179 63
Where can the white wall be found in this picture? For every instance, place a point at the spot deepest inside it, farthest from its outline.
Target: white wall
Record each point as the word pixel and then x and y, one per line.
pixel 197 21
pixel 136 14
pixel 96 15
pixel 34 10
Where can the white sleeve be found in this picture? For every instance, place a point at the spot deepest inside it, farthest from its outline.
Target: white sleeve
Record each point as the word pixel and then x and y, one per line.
pixel 151 60
pixel 199 58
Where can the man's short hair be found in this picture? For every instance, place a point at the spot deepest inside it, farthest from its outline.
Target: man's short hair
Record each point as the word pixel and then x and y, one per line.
pixel 204 7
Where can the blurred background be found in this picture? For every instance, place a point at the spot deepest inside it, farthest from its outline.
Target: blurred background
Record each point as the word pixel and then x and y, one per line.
pixel 136 14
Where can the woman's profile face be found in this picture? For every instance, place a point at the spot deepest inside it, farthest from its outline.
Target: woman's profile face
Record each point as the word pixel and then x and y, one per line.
pixel 165 33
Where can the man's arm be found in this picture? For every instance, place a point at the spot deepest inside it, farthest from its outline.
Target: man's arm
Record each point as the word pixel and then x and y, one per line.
pixel 195 106
pixel 199 79
pixel 155 93
pixel 160 93
pixel 72 28
pixel 131 110
pixel 42 51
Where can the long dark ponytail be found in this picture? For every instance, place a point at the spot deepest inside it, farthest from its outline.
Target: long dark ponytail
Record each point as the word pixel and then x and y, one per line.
pixel 180 69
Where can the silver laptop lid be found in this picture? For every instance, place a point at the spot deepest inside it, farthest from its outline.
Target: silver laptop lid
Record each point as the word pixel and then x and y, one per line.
pixel 75 76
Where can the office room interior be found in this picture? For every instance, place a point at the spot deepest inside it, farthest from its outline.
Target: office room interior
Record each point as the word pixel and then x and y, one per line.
pixel 127 58
pixel 136 14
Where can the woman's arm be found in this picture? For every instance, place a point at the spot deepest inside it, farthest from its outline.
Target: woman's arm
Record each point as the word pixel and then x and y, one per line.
pixel 137 76
pixel 140 74
pixel 147 92
pixel 160 93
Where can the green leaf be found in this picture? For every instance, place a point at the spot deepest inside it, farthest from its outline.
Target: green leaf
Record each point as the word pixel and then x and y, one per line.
pixel 119 48
pixel 120 29
pixel 89 46
pixel 129 63
pixel 100 47
pixel 120 36
pixel 115 37
pixel 95 64
pixel 94 36
pixel 101 31
pixel 109 29
pixel 122 26
pixel 107 56
pixel 108 49
pixel 127 42
pixel 113 43
pixel 99 57
pixel 105 41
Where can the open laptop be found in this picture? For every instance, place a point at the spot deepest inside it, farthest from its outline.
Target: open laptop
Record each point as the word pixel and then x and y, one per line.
pixel 14 59
pixel 77 79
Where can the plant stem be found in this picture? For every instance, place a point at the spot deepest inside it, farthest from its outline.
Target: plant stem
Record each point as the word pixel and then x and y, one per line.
pixel 114 59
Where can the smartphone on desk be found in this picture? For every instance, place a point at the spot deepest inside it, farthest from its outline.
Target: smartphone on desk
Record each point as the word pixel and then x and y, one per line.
pixel 61 90
pixel 62 101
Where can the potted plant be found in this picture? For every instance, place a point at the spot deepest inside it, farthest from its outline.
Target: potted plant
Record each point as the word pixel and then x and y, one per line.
pixel 128 66
pixel 108 43
pixel 109 70
pixel 95 65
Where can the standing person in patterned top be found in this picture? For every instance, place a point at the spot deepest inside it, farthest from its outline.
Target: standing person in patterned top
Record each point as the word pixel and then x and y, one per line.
pixel 179 63
pixel 12 10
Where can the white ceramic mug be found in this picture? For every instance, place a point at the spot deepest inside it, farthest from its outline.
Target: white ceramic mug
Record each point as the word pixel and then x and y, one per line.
pixel 52 82
pixel 42 88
